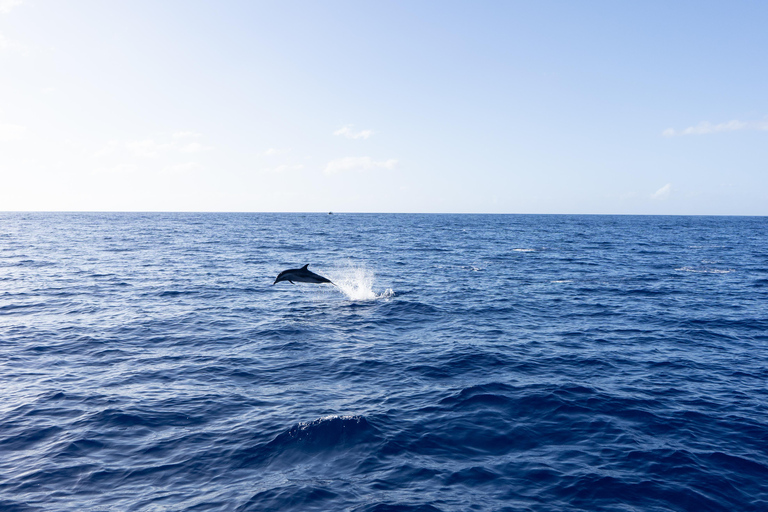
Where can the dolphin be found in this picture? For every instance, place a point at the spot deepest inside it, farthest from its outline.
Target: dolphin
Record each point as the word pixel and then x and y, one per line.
pixel 300 275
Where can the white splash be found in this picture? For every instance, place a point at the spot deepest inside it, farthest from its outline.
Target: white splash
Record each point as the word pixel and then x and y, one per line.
pixel 357 282
pixel 705 270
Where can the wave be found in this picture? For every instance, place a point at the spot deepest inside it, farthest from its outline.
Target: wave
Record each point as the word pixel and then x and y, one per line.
pixel 329 435
pixel 329 432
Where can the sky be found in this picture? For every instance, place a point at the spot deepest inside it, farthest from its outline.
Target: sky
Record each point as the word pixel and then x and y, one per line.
pixel 592 107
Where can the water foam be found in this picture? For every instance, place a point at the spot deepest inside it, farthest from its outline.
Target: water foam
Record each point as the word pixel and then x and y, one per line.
pixel 357 282
pixel 705 270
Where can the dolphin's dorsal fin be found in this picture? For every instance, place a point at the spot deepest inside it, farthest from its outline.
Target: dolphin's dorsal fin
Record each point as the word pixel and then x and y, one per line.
pixel 305 267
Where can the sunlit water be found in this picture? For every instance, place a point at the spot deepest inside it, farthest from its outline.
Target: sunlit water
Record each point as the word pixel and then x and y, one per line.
pixel 460 362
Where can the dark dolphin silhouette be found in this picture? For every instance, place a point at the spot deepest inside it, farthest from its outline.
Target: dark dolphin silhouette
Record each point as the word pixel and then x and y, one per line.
pixel 301 275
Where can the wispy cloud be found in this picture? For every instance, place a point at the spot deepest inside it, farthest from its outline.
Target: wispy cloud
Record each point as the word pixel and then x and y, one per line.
pixel 357 163
pixel 108 149
pixel 10 132
pixel 7 5
pixel 705 127
pixel 147 148
pixel 347 132
pixel 194 147
pixel 181 168
pixel 275 152
pixel 283 168
pixel 119 169
pixel 663 193
pixel 6 44
pixel 151 148
pixel 186 135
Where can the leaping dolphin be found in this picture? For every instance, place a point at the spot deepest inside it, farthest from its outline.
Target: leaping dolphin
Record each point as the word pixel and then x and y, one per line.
pixel 300 275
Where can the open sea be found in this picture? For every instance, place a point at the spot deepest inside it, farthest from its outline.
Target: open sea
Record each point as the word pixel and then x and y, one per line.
pixel 462 363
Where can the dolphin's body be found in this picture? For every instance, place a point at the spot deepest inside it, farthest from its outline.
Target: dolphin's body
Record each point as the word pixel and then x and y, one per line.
pixel 300 275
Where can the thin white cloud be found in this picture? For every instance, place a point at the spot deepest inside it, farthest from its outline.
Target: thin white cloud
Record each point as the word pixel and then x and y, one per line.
pixel 181 168
pixel 347 132
pixel 117 169
pixel 151 148
pixel 275 152
pixel 147 148
pixel 7 44
pixel 283 168
pixel 108 149
pixel 357 163
pixel 194 147
pixel 9 132
pixel 186 135
pixel 705 127
pixel 7 5
pixel 663 193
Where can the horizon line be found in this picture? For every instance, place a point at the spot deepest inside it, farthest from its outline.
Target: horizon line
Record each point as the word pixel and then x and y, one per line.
pixel 332 212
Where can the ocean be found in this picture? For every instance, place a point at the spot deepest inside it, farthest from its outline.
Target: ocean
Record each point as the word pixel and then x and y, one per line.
pixel 462 363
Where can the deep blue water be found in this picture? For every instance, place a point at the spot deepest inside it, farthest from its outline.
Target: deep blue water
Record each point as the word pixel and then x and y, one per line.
pixel 466 363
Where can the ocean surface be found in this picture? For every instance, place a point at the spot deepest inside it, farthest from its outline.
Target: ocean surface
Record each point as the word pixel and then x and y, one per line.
pixel 462 363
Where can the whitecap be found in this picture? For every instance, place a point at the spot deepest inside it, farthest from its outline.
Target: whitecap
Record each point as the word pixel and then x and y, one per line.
pixel 706 270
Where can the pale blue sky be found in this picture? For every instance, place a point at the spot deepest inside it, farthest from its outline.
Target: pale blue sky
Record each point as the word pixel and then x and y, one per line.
pixel 414 106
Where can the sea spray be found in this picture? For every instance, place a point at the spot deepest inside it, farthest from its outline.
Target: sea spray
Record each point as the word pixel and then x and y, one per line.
pixel 357 283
